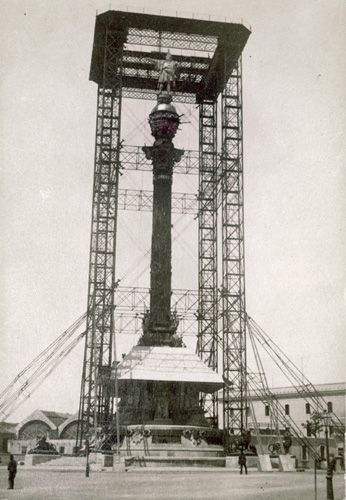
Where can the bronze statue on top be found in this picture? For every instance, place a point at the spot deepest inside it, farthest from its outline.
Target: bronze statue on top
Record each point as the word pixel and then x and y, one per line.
pixel 167 73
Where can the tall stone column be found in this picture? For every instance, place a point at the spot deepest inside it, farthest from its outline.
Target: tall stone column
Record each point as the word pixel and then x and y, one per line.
pixel 159 325
pixel 149 392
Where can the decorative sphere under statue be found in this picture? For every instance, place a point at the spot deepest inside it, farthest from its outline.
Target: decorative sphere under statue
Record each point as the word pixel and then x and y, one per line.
pixel 164 119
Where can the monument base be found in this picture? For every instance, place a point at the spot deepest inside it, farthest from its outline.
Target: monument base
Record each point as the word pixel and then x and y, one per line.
pixel 169 445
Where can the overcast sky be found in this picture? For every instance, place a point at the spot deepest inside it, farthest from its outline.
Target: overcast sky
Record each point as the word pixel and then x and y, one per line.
pixel 294 156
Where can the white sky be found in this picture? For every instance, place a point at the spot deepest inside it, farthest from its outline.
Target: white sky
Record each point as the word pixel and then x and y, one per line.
pixel 294 128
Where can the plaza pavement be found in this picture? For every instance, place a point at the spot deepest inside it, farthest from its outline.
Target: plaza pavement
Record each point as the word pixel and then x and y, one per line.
pixel 165 485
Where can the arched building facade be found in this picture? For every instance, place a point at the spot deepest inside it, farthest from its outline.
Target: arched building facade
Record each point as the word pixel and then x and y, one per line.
pixel 60 429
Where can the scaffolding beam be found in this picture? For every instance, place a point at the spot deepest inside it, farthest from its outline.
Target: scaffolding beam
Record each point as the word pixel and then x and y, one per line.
pixel 233 269
pixel 132 302
pixel 203 46
pixel 136 299
pixel 96 407
pixel 207 344
pixel 133 158
pixel 172 40
pixel 142 200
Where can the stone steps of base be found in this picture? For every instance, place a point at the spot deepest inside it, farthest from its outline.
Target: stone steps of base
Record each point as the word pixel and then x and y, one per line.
pixel 61 468
pixel 190 470
pixel 64 462
pixel 150 461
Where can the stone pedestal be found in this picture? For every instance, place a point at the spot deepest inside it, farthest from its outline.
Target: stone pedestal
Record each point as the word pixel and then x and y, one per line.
pixel 338 465
pixel 118 463
pixel 39 458
pixel 99 461
pixel 264 464
pixel 161 385
pixel 286 463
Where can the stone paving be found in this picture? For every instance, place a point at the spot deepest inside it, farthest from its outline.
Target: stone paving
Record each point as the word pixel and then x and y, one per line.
pixel 166 485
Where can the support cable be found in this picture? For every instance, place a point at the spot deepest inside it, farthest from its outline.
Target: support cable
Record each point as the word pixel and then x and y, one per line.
pixel 53 346
pixel 34 369
pixel 297 379
pixel 28 379
pixel 40 375
pixel 285 420
pixel 263 381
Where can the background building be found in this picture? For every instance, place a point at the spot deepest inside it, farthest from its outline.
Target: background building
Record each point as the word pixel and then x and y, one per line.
pixel 300 410
pixel 60 428
pixel 296 406
pixel 7 433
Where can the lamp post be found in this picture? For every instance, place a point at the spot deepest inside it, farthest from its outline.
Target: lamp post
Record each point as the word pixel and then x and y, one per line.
pixel 329 477
pixel 87 450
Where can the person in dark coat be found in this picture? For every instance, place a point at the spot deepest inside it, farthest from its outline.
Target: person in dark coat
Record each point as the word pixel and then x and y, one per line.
pixel 12 471
pixel 242 463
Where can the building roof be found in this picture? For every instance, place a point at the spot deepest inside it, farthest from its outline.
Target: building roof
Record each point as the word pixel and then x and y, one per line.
pixel 168 364
pixel 52 418
pixel 56 418
pixel 7 428
pixel 334 388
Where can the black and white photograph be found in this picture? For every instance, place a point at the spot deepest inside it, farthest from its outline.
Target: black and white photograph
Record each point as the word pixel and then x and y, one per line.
pixel 173 249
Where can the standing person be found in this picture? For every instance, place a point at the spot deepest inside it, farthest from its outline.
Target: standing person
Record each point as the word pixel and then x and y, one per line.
pixel 12 471
pixel 242 463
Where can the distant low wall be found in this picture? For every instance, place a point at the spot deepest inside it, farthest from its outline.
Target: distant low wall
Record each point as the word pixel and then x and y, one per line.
pixel 19 447
pixel 36 459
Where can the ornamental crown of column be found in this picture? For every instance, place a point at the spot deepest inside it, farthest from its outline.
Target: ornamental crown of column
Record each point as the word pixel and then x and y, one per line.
pixel 164 119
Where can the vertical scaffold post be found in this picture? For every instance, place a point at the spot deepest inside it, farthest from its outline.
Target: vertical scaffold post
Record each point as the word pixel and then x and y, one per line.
pixel 96 402
pixel 233 272
pixel 207 345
